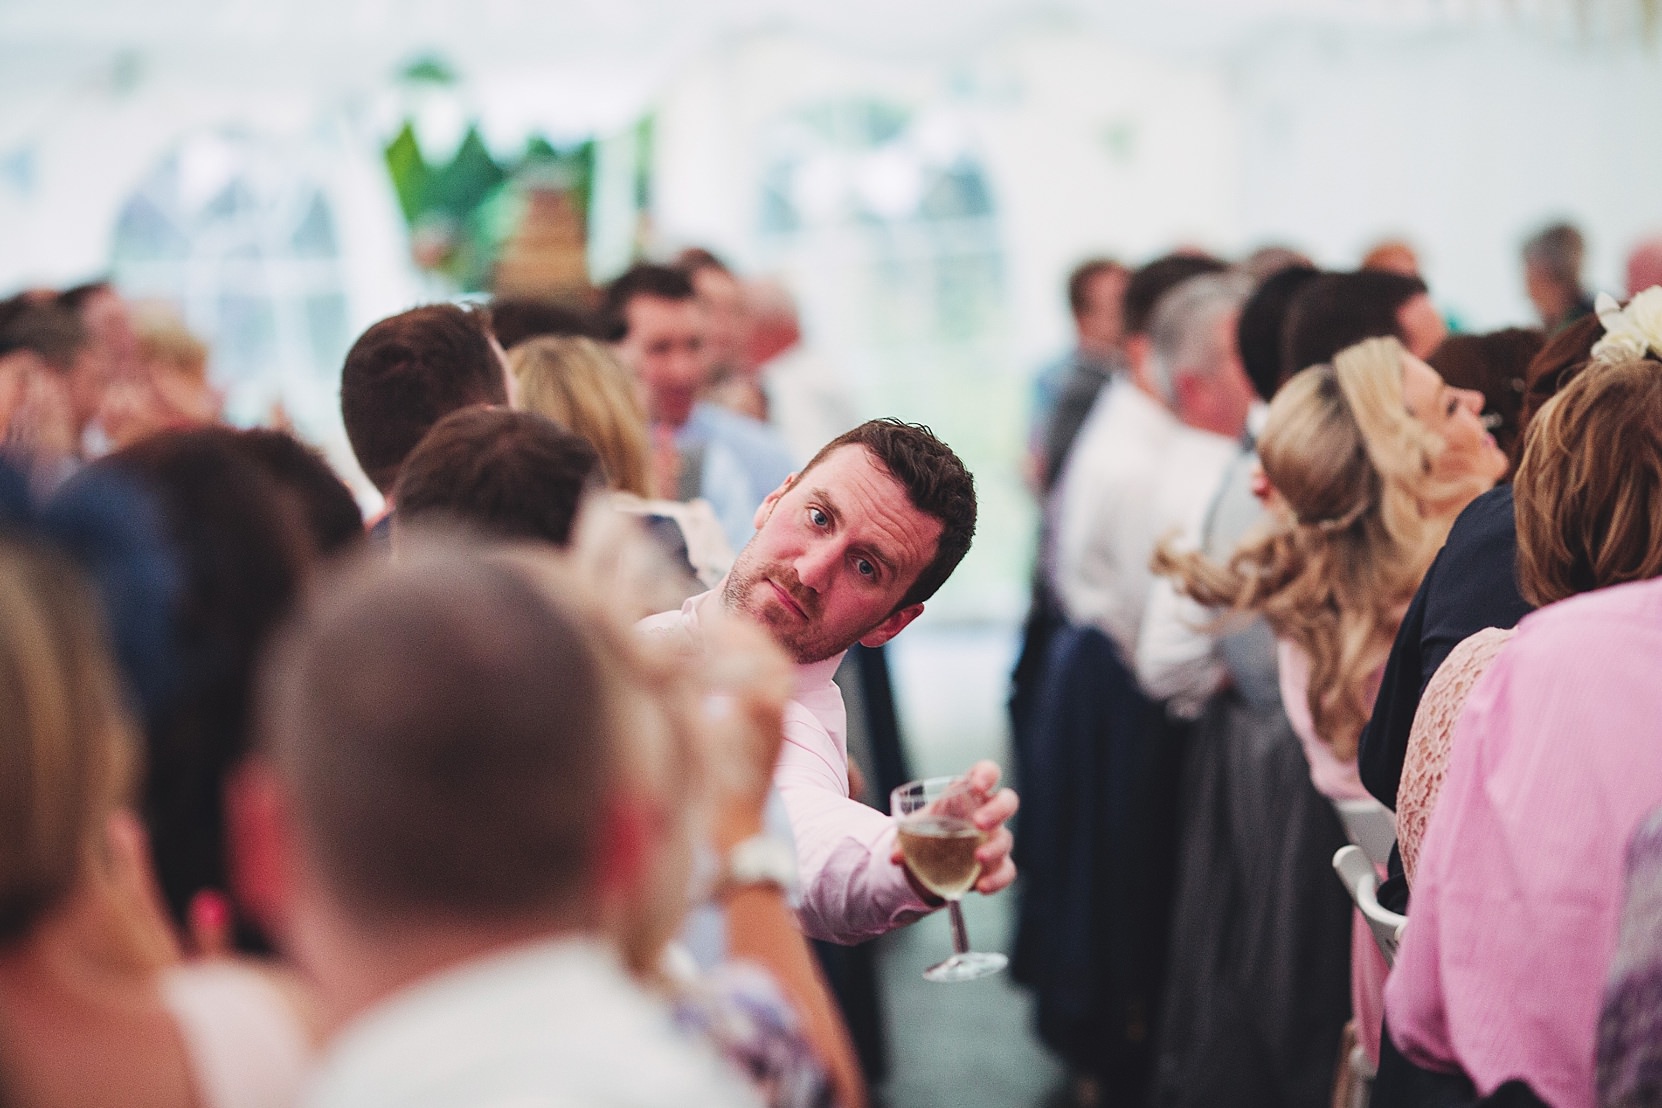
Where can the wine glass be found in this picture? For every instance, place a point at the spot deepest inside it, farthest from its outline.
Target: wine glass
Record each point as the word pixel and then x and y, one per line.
pixel 938 839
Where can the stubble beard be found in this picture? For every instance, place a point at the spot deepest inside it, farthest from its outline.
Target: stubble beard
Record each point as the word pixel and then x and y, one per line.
pixel 738 595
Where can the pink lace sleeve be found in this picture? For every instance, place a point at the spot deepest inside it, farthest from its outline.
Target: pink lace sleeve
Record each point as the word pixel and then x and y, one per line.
pixel 1429 741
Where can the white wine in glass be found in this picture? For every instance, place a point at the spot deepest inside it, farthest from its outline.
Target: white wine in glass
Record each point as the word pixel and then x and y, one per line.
pixel 938 839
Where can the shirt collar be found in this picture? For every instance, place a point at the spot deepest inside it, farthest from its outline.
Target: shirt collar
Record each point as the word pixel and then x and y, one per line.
pixel 810 676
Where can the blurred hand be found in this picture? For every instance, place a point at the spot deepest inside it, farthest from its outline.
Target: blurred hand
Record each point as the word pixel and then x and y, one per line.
pixel 748 680
pixel 997 869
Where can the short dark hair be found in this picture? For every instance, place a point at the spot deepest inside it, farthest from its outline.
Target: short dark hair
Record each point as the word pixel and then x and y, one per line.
pixel 1493 364
pixel 1152 281
pixel 518 318
pixel 1263 316
pixel 695 259
pixel 1079 281
pixel 1337 310
pixel 406 373
pixel 448 728
pixel 935 480
pixel 75 297
pixel 510 474
pixel 47 328
pixel 331 511
pixel 640 279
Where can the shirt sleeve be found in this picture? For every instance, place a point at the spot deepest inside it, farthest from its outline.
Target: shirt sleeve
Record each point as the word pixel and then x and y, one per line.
pixel 851 891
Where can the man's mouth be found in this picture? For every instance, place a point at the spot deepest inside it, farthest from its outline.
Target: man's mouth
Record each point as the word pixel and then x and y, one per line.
pixel 787 599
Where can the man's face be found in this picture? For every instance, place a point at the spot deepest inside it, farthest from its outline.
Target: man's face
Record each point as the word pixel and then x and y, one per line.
pixel 665 350
pixel 1217 398
pixel 1101 325
pixel 1423 329
pixel 835 550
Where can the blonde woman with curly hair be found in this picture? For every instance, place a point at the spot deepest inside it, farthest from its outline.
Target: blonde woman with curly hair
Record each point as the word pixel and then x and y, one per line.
pixel 1366 462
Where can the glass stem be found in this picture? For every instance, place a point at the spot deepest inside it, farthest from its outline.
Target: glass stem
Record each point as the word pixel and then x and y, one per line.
pixel 960 937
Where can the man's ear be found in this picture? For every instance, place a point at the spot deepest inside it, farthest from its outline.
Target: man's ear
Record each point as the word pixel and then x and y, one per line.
pixel 894 625
pixel 627 846
pixel 261 844
pixel 766 508
pixel 1187 390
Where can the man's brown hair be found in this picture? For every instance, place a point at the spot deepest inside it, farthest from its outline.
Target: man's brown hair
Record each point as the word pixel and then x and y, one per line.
pixel 1589 487
pixel 409 371
pixel 447 727
pixel 935 480
pixel 513 475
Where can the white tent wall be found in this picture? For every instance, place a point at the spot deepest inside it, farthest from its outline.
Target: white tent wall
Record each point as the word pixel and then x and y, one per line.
pixel 1463 141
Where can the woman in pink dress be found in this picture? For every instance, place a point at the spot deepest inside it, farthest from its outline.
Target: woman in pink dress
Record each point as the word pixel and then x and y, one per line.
pixel 1366 463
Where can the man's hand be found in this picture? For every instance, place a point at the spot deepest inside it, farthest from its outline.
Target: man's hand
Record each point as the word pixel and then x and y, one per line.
pixel 997 870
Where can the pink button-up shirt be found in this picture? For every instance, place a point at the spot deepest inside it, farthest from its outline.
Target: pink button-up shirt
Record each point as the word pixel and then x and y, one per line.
pixel 1556 761
pixel 851 891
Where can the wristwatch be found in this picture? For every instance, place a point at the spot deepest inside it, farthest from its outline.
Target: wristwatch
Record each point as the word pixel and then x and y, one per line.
pixel 759 860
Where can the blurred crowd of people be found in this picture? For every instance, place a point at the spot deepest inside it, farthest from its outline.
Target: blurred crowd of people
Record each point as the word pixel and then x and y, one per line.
pixel 539 785
pixel 1311 570
pixel 533 789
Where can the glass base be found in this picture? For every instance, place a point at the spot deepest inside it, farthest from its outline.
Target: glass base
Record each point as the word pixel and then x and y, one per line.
pixel 966 967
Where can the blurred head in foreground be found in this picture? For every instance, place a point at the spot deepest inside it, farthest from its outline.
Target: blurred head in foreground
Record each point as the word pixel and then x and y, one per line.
pixel 459 750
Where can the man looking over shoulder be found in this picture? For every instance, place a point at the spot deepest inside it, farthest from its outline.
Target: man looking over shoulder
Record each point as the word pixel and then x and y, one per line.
pixel 846 551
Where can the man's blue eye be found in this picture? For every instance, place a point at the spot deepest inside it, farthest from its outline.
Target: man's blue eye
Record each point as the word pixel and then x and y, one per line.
pixel 866 568
pixel 818 517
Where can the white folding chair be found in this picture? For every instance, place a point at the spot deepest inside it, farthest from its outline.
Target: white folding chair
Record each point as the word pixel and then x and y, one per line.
pixel 1361 880
pixel 1370 825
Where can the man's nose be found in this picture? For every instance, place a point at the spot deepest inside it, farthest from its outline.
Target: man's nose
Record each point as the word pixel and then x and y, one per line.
pixel 815 566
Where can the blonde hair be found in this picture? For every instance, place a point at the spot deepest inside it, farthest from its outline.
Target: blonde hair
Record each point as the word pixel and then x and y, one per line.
pixel 66 743
pixel 578 383
pixel 1364 518
pixel 1589 486
pixel 163 339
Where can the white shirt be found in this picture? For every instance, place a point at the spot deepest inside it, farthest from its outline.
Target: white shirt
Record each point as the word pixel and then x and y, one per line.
pixel 1180 649
pixel 245 1042
pixel 551 1023
pixel 851 891
pixel 1135 476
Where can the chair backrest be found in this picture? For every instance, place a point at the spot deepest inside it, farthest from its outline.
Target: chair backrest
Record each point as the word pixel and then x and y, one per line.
pixel 1361 880
pixel 1370 825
